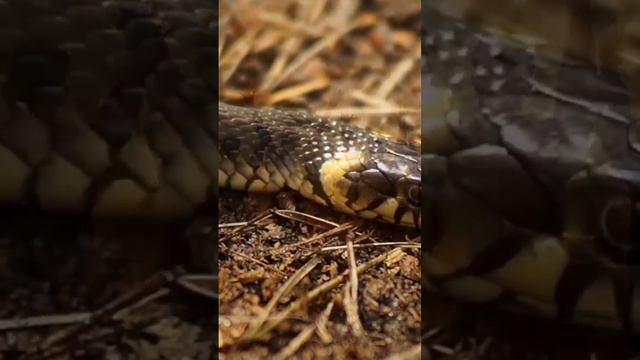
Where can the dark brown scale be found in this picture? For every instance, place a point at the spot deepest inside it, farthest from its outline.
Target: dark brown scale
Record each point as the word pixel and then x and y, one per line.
pixel 378 181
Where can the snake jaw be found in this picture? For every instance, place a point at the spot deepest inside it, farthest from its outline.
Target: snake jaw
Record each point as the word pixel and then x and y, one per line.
pixel 361 189
pixel 393 187
pixel 335 183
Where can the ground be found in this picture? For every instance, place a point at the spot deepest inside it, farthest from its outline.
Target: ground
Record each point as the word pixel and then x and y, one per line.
pixel 286 279
pixel 75 288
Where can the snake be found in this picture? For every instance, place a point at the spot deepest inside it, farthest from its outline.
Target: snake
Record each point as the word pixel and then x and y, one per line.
pixel 110 108
pixel 330 162
pixel 533 176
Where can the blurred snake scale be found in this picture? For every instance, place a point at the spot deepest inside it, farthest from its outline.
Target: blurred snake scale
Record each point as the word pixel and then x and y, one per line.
pixel 109 107
pixel 534 178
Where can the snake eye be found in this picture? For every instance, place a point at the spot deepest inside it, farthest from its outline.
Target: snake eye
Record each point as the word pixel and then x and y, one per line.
pixel 619 227
pixel 415 195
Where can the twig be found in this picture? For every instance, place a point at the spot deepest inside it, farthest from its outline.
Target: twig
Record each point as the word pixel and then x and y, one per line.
pixel 284 289
pixel 399 244
pixel 331 284
pixel 351 294
pixel 263 215
pixel 151 284
pixel 306 218
pixel 332 232
pixel 295 344
pixel 186 281
pixel 321 324
pixel 45 320
pixel 412 353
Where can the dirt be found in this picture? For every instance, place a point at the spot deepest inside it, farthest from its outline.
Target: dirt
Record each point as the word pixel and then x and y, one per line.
pixel 255 262
pixel 284 294
pixel 73 287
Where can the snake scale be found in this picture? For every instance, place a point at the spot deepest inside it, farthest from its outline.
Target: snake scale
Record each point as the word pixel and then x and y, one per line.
pixel 109 107
pixel 333 163
pixel 534 177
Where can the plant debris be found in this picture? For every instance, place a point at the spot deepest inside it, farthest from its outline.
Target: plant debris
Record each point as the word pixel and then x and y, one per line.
pixel 308 282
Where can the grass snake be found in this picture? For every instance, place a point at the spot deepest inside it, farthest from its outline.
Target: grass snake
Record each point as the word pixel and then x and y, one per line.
pixel 328 161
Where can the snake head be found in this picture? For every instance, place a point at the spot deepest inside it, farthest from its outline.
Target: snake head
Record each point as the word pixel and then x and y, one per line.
pixel 382 182
pixel 396 178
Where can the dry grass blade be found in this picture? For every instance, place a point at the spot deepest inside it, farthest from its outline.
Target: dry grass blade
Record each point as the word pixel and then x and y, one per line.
pixel 321 324
pixel 360 111
pixel 45 320
pixel 305 56
pixel 412 353
pixel 296 343
pixel 232 58
pixel 342 228
pixel 234 224
pixel 297 91
pixel 131 298
pixel 351 294
pixel 325 287
pixel 160 293
pixel 263 215
pixel 257 261
pixel 306 219
pixel 281 292
pixel 396 244
pixel 398 73
pixel 189 282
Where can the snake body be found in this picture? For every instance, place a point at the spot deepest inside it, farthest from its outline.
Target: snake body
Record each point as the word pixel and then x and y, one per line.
pixel 328 161
pixel 534 179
